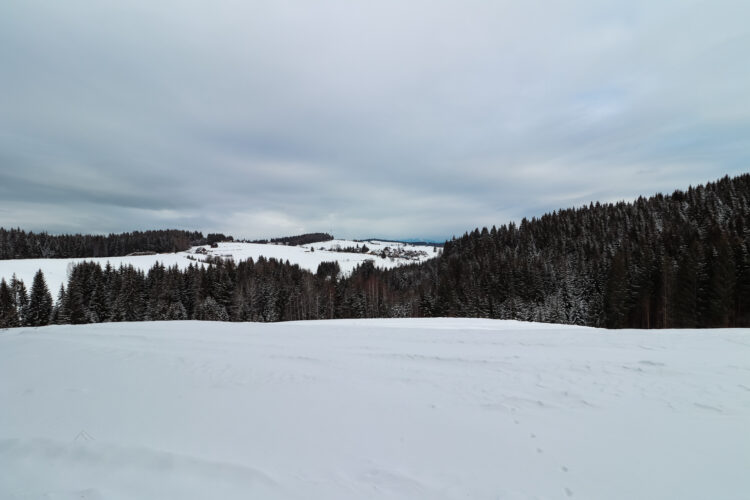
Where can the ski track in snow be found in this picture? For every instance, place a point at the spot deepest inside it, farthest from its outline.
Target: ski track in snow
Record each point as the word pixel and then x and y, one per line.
pixel 407 409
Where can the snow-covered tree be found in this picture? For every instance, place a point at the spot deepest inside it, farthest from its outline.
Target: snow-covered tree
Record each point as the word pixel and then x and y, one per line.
pixel 40 302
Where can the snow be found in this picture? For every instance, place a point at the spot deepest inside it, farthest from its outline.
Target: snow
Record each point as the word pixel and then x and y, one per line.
pixel 56 270
pixel 350 409
pixel 310 259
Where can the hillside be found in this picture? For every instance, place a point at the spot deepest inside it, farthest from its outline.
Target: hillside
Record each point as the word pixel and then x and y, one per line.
pixel 381 409
pixel 669 261
pixel 307 257
pixel 679 260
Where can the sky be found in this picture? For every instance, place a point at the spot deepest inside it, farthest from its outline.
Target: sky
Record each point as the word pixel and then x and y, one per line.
pixel 389 118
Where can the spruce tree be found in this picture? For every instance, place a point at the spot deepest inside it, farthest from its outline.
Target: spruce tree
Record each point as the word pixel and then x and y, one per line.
pixel 8 315
pixel 176 311
pixel 40 302
pixel 615 298
pixel 721 281
pixel 210 310
pixel 75 299
pixel 20 299
pixel 60 314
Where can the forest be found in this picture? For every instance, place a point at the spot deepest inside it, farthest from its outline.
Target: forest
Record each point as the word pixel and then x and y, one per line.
pixel 18 244
pixel 300 239
pixel 668 261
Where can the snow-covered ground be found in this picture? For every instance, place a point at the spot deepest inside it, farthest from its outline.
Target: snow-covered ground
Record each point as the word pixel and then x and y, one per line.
pixel 408 409
pixel 310 256
pixel 55 270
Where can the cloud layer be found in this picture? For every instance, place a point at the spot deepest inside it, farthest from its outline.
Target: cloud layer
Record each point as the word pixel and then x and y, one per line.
pixel 390 118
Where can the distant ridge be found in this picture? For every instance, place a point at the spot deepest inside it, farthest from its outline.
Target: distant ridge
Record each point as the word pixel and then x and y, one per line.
pixel 19 244
pixel 410 241
pixel 301 239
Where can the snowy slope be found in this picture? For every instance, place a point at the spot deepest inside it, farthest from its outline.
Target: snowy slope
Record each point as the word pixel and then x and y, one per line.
pixel 408 409
pixel 309 256
pixel 55 270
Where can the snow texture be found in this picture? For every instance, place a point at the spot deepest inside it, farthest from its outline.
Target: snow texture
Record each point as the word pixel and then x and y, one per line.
pixel 351 409
pixel 56 270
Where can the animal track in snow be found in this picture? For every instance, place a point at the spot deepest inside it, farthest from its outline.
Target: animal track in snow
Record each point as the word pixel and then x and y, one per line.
pixel 651 363
pixel 708 407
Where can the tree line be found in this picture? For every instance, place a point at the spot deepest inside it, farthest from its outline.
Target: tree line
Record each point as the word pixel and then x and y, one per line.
pixel 19 244
pixel 677 260
pixel 17 308
pixel 301 239
pixel 266 290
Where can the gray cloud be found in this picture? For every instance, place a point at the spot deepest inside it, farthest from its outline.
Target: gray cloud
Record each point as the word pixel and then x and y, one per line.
pixel 393 119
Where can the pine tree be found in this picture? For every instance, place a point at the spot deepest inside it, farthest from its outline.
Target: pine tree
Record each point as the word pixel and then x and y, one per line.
pixel 176 311
pixel 98 310
pixel 721 281
pixel 210 310
pixel 60 314
pixel 686 288
pixel 75 299
pixel 20 299
pixel 40 302
pixel 616 293
pixel 8 314
pixel 742 286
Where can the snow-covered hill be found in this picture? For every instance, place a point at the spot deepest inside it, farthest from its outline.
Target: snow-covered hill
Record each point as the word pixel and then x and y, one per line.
pixel 412 409
pixel 307 257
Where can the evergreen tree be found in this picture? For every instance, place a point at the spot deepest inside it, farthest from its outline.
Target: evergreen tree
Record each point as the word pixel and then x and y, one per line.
pixel 40 302
pixel 721 281
pixel 616 293
pixel 742 286
pixel 75 305
pixel 8 314
pixel 176 311
pixel 20 300
pixel 60 314
pixel 210 310
pixel 686 289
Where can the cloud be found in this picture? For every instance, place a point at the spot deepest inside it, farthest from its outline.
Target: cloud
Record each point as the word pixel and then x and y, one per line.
pixel 393 119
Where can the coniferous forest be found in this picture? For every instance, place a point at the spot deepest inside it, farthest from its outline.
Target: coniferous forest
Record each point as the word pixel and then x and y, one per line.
pixel 300 239
pixel 669 261
pixel 18 244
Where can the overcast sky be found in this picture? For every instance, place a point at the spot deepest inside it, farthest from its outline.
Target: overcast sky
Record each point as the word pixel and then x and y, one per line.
pixel 400 119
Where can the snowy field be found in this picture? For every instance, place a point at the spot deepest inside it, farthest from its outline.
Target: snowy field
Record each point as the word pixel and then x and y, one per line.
pixel 407 409
pixel 55 270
